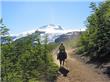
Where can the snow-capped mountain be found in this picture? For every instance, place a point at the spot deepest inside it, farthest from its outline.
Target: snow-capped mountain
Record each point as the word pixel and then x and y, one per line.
pixel 53 31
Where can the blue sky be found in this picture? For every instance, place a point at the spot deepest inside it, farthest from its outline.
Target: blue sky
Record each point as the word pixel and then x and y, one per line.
pixel 21 16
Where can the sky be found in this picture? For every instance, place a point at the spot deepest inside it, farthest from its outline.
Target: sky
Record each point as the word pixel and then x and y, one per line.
pixel 21 15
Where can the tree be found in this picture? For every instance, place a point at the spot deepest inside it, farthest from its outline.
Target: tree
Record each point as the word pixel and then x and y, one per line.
pixel 4 32
pixel 95 41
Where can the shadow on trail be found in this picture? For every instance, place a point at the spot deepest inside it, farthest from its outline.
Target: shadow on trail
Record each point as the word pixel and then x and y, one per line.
pixel 63 71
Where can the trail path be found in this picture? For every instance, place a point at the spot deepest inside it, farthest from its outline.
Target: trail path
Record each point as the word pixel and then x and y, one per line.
pixel 78 71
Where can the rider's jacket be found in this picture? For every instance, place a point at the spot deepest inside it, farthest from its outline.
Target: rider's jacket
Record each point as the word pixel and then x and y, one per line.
pixel 62 48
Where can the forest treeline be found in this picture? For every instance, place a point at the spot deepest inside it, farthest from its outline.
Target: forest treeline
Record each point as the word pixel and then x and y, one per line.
pixel 95 41
pixel 26 59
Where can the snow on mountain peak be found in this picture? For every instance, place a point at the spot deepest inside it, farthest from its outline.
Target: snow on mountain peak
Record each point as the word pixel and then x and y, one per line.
pixel 52 30
pixel 52 26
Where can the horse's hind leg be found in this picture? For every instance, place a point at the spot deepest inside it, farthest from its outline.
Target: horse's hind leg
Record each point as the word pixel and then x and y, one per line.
pixel 60 63
pixel 63 62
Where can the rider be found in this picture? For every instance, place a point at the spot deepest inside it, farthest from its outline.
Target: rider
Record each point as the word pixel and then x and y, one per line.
pixel 62 55
pixel 61 48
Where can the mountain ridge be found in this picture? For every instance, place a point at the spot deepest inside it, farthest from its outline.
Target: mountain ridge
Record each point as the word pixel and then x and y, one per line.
pixel 53 31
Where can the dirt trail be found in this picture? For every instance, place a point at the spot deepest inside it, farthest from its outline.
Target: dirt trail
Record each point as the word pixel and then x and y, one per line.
pixel 78 71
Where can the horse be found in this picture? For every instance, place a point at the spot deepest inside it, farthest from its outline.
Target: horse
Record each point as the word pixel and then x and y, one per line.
pixel 62 55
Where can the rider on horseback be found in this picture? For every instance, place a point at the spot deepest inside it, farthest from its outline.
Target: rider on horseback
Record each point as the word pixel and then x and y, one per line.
pixel 62 55
pixel 61 48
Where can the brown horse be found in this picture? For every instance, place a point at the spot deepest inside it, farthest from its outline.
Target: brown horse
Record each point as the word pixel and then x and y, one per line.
pixel 62 55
